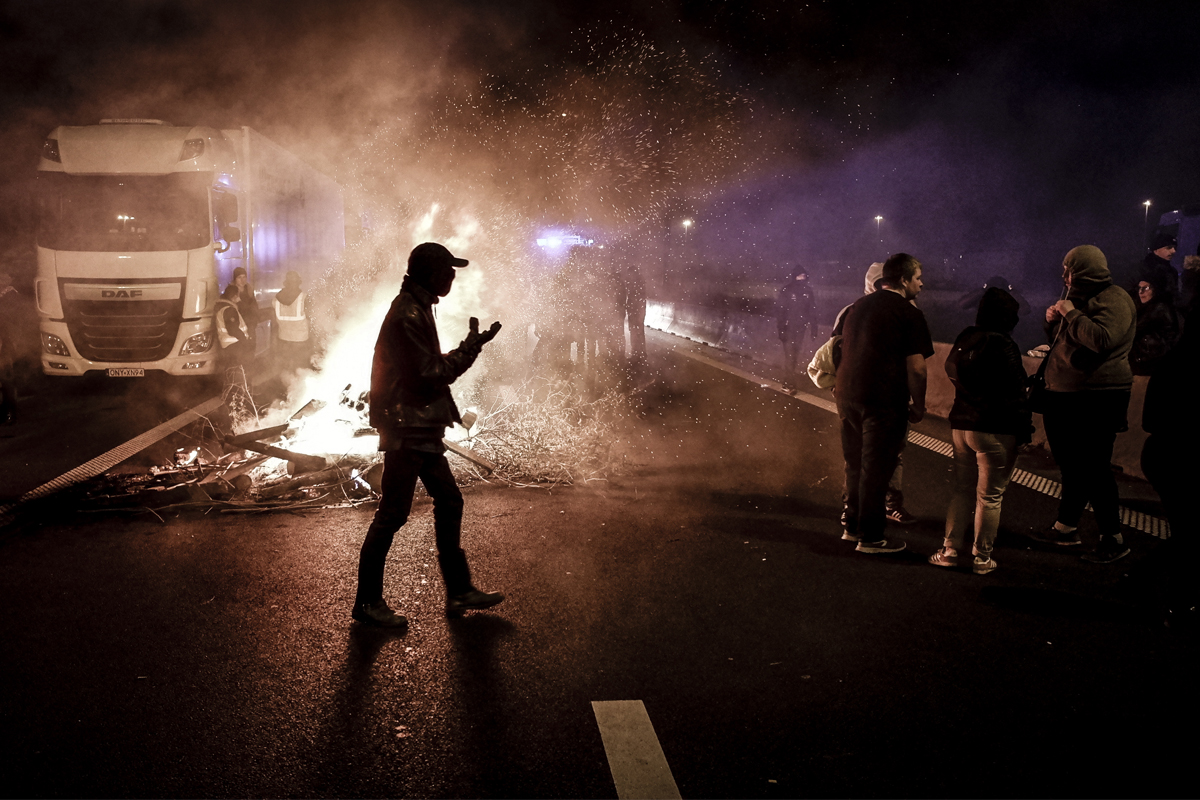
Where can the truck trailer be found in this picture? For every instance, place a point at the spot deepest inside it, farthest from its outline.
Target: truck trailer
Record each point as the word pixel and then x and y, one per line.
pixel 140 226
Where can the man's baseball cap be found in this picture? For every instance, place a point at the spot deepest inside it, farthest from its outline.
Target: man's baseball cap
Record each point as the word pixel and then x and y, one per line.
pixel 431 255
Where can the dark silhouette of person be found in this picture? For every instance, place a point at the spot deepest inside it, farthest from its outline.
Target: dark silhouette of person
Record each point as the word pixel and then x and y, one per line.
pixel 881 382
pixel 411 407
pixel 1088 387
pixel 794 313
pixel 1156 268
pixel 1169 462
pixel 1157 326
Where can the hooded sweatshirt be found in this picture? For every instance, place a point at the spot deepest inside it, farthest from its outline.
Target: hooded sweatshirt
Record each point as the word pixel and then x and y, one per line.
pixel 1091 344
pixel 985 367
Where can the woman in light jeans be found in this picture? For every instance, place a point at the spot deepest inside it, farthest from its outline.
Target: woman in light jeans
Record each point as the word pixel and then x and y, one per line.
pixel 989 421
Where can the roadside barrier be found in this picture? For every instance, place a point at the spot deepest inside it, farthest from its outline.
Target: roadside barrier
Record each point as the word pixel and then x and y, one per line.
pixel 756 336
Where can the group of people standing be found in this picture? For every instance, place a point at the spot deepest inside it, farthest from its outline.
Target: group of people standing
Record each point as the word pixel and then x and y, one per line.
pixel 585 308
pixel 238 316
pixel 1083 393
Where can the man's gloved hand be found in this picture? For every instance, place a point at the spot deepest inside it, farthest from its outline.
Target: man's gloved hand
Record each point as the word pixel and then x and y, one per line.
pixel 476 340
pixel 487 335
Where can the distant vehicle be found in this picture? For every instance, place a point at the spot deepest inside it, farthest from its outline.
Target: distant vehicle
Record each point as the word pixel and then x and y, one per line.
pixel 140 226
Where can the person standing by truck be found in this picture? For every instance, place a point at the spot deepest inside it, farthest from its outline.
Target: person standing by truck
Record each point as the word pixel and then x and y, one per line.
pixel 232 332
pixel 247 305
pixel 411 407
pixel 291 322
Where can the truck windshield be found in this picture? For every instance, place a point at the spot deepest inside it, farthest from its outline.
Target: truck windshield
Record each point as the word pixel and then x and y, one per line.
pixel 112 213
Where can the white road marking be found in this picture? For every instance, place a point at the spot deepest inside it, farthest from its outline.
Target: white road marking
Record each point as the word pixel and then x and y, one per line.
pixel 635 758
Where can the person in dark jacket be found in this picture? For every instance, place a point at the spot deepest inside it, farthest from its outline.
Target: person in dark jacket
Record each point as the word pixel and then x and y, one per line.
pixel 1157 270
pixel 989 420
pixel 233 334
pixel 1169 462
pixel 247 303
pixel 880 388
pixel 411 407
pixel 795 319
pixel 1157 326
pixel 1088 386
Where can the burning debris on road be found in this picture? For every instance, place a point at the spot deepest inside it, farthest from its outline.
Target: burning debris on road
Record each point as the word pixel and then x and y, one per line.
pixel 325 454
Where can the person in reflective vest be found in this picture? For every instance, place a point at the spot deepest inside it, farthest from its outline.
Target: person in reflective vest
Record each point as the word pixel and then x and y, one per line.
pixel 232 331
pixel 291 319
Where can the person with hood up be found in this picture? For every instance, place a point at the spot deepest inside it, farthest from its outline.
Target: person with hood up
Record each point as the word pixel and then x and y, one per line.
pixel 1088 386
pixel 989 421
pixel 1157 326
pixel 411 407
pixel 291 321
pixel 794 313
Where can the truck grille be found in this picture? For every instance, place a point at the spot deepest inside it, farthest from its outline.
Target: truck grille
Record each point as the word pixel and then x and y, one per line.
pixel 124 330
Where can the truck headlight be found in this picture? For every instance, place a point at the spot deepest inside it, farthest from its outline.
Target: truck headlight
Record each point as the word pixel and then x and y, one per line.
pixel 54 345
pixel 200 343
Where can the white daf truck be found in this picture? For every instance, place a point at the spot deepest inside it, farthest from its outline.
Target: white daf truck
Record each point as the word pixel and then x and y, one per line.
pixel 141 225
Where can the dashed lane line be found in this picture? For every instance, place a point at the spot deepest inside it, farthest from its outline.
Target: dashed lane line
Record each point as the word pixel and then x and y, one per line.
pixel 1146 523
pixel 635 758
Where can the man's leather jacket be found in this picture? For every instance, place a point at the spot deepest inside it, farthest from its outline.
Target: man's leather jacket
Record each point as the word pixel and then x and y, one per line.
pixel 410 377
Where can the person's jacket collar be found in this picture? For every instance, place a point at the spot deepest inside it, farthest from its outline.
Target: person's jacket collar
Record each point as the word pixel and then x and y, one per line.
pixel 422 295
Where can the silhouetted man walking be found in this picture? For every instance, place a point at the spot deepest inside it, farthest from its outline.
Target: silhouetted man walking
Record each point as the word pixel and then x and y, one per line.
pixel 411 407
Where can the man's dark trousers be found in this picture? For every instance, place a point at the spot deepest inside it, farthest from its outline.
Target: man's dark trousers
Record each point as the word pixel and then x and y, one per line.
pixel 872 438
pixel 401 468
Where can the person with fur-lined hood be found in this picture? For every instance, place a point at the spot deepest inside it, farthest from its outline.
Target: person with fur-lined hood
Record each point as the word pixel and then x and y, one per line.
pixel 1088 383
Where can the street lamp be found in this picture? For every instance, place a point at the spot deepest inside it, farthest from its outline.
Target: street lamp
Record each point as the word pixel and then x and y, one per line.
pixel 1145 222
pixel 878 219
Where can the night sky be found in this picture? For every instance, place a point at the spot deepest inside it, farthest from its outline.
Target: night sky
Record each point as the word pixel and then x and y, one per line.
pixel 989 137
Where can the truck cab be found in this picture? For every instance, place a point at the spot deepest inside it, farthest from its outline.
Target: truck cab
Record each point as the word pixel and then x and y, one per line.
pixel 141 223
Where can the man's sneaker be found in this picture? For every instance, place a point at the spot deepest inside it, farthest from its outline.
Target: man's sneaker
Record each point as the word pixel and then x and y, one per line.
pixel 471 601
pixel 378 614
pixel 983 565
pixel 882 546
pixel 898 515
pixel 1107 551
pixel 1053 535
pixel 940 559
pixel 850 537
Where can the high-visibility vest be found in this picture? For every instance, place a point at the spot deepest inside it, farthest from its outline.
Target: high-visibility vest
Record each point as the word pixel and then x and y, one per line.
pixel 293 324
pixel 223 335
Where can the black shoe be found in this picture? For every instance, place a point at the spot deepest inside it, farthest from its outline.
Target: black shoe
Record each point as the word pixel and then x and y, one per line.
pixel 882 546
pixel 1053 535
pixel 473 600
pixel 379 615
pixel 1107 551
pixel 898 515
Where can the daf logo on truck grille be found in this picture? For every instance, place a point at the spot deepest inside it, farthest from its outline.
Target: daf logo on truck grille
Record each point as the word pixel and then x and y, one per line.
pixel 148 291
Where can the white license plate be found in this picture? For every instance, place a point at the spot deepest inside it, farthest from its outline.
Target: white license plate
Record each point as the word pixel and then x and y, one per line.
pixel 126 372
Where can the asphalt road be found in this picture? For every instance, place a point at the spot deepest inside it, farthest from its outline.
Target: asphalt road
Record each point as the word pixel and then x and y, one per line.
pixel 213 655
pixel 65 422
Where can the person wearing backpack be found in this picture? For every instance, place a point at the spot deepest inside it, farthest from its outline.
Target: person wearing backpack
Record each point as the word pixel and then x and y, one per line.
pixel 990 419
